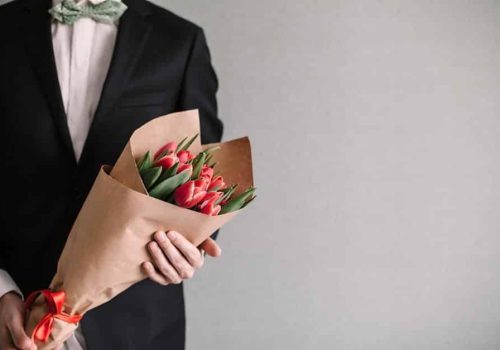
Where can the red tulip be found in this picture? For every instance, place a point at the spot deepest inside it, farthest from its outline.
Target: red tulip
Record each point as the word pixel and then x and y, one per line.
pixel 185 156
pixel 167 161
pixel 206 173
pixel 185 167
pixel 190 193
pixel 166 149
pixel 208 206
pixel 217 184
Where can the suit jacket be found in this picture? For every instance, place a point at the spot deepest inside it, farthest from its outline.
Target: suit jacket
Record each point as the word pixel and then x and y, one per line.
pixel 160 64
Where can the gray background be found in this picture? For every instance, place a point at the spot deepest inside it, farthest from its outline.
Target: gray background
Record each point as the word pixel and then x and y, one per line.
pixel 376 134
pixel 375 126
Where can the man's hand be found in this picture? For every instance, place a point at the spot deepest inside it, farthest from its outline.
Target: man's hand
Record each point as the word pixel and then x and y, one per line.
pixel 12 335
pixel 174 258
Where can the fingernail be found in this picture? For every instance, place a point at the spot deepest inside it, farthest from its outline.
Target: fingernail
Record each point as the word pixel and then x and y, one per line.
pixel 161 236
pixel 172 235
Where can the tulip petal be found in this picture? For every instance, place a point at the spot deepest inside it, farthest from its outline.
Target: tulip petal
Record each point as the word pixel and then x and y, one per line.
pixel 206 173
pixel 169 172
pixel 185 167
pixel 208 205
pixel 167 149
pixel 167 161
pixel 184 156
pixel 216 184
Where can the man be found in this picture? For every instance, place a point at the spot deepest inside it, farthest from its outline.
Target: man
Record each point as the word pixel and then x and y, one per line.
pixel 75 82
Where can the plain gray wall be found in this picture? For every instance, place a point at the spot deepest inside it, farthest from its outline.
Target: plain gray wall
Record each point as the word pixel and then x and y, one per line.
pixel 376 135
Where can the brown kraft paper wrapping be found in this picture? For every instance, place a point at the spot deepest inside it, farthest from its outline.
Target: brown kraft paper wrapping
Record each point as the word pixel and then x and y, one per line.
pixel 107 242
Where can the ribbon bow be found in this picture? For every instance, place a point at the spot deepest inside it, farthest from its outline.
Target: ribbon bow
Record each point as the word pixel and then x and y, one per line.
pixel 68 11
pixel 55 303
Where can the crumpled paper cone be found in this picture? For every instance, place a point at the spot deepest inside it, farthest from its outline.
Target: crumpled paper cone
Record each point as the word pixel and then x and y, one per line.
pixel 107 243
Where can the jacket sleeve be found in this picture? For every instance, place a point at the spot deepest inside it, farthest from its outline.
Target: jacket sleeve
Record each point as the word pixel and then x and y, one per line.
pixel 199 90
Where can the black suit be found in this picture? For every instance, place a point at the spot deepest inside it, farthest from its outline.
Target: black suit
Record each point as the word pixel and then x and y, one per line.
pixel 160 64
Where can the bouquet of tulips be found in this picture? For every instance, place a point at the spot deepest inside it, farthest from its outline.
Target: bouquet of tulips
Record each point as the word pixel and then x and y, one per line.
pixel 179 188
pixel 179 177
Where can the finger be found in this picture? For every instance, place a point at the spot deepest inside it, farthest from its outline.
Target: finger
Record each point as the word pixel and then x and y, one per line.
pixel 5 340
pixel 190 252
pixel 162 264
pixel 211 248
pixel 150 271
pixel 19 337
pixel 174 256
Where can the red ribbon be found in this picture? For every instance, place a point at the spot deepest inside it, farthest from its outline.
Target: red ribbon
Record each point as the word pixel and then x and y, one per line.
pixel 55 303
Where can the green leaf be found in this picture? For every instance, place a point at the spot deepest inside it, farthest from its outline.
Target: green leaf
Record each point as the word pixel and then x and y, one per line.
pixel 169 172
pixel 208 158
pixel 248 202
pixel 163 189
pixel 229 189
pixel 186 146
pixel 149 176
pixel 227 193
pixel 198 164
pixel 170 199
pixel 238 202
pixel 146 162
pixel 179 145
pixel 211 149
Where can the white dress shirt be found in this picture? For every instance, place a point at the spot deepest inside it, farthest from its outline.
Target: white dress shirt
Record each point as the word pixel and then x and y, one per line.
pixel 82 54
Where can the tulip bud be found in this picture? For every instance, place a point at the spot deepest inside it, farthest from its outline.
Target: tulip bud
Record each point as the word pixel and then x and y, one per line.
pixel 190 193
pixel 206 173
pixel 184 156
pixel 217 184
pixel 166 150
pixel 208 204
pixel 185 167
pixel 167 161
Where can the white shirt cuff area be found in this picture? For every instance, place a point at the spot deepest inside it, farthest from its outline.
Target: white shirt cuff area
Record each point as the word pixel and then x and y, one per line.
pixel 7 284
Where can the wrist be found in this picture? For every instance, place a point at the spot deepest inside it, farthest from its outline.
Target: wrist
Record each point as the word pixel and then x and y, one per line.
pixel 9 296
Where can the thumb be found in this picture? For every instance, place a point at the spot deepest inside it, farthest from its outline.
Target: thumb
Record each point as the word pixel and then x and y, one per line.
pixel 19 337
pixel 211 248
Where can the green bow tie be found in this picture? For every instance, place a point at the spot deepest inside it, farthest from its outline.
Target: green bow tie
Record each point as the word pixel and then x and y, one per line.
pixel 68 11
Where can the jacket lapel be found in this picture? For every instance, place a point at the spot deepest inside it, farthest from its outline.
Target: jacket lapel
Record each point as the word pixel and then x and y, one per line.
pixel 38 42
pixel 133 32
